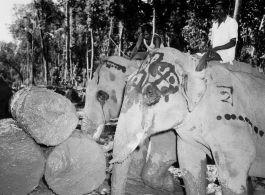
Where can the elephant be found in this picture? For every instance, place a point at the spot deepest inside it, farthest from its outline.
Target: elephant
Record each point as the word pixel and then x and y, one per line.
pixel 216 111
pixel 104 95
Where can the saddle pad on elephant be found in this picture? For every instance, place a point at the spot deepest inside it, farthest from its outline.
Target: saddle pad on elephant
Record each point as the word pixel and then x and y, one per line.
pixel 239 67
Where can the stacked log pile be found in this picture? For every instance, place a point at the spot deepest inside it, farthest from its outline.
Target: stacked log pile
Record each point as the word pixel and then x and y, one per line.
pixel 21 160
pixel 42 145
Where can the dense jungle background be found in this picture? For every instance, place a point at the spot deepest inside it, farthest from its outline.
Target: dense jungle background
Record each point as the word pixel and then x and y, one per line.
pixel 60 43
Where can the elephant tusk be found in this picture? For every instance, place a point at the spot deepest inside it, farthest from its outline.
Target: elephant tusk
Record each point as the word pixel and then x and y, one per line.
pixel 98 131
pixel 148 151
pixel 128 149
pixel 133 145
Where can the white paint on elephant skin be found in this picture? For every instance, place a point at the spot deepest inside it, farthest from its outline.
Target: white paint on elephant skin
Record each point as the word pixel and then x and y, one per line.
pixel 154 58
pixel 148 150
pixel 167 69
pixel 137 78
pixel 98 131
pixel 162 84
pixel 136 142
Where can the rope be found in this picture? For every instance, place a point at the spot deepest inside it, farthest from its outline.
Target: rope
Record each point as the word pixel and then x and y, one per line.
pixel 118 46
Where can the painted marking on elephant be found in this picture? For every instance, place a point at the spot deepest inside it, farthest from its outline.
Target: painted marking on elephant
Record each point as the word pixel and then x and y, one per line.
pixel 241 118
pixel 112 76
pixel 110 64
pixel 162 76
pixel 132 98
pixel 227 116
pixel 113 96
pixel 192 128
pixel 227 94
pixel 166 78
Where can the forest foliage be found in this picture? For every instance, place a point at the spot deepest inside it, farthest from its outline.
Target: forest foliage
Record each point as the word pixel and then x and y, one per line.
pixel 59 42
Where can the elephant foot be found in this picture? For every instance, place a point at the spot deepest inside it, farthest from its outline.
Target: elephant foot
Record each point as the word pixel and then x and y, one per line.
pixel 171 184
pixel 165 182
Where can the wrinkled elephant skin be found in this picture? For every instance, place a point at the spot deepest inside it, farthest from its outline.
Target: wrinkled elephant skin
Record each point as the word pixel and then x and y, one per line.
pixel 104 96
pixel 218 110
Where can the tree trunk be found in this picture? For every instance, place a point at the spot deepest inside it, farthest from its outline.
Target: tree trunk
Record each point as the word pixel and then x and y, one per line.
pixel 92 55
pixel 48 117
pixel 262 22
pixel 237 9
pixel 17 70
pixel 22 161
pixel 32 62
pixel 28 66
pixel 43 48
pixel 70 44
pixel 77 166
pixel 110 33
pixel 67 41
pixel 120 37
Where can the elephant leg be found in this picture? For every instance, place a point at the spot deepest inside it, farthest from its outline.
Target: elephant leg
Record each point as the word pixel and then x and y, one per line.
pixel 162 155
pixel 192 162
pixel 138 161
pixel 231 176
pixel 234 152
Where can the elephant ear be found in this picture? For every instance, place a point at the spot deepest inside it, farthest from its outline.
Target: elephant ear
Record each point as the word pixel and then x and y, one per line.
pixel 193 88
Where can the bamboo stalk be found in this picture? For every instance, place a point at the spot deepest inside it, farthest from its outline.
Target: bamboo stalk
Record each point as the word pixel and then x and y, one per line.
pixel 92 55
pixel 120 37
pixel 110 32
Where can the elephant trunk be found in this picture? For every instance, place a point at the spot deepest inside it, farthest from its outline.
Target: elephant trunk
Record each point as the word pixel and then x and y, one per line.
pixel 119 177
pixel 87 125
pixel 121 159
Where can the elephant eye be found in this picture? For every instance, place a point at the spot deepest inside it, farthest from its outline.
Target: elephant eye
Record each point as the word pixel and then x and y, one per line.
pixel 151 95
pixel 102 97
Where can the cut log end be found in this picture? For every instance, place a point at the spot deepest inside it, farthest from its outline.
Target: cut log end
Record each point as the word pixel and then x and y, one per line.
pixel 48 117
pixel 21 160
pixel 76 166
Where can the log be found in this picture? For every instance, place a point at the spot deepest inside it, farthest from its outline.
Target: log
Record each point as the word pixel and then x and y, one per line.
pixel 76 166
pixel 48 117
pixel 21 160
pixel 42 189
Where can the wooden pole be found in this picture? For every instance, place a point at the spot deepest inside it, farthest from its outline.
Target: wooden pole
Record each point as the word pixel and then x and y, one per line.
pixel 154 20
pixel 120 37
pixel 92 55
pixel 262 22
pixel 237 9
pixel 110 32
pixel 87 59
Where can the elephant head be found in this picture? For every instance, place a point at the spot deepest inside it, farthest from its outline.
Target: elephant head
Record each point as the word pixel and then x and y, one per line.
pixel 160 96
pixel 104 93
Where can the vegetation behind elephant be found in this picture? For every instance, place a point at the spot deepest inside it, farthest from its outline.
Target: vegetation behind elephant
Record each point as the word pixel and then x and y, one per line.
pixel 5 95
pixel 104 96
pixel 218 110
